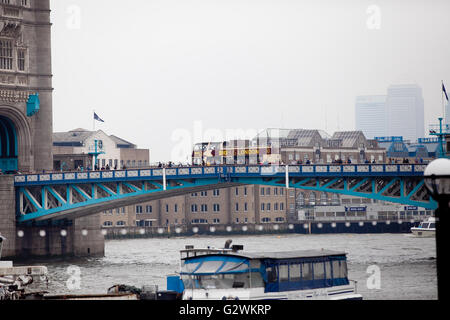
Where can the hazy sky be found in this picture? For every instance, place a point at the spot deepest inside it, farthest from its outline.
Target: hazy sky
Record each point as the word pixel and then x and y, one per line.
pixel 162 71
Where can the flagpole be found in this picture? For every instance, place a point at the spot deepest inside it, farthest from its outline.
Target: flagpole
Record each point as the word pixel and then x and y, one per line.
pixel 94 122
pixel 442 97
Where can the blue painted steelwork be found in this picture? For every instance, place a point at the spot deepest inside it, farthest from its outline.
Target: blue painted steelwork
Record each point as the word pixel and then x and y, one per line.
pixel 33 105
pixel 39 196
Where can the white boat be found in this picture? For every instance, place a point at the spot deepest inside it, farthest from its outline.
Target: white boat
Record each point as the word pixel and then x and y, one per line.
pixel 230 274
pixel 426 228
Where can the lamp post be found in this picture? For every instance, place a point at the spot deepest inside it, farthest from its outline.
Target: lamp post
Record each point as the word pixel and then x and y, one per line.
pixel 437 182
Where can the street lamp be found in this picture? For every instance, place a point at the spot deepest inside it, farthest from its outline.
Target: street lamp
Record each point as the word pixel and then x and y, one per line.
pixel 437 182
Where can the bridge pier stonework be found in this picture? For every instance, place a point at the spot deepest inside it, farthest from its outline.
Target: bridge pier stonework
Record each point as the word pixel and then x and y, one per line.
pixel 7 215
pixel 82 237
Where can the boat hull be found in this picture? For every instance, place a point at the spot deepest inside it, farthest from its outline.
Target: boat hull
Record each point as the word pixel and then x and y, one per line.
pixel 346 292
pixel 423 233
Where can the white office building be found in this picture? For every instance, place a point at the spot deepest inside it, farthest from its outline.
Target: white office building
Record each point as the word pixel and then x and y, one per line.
pixel 371 116
pixel 405 112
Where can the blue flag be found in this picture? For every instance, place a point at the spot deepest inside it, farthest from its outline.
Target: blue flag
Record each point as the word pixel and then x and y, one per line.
pixel 96 117
pixel 443 89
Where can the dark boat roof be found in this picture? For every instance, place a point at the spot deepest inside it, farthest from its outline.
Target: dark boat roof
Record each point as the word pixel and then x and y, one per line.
pixel 297 254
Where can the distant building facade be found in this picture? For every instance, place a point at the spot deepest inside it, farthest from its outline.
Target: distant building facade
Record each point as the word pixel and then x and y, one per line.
pixel 292 146
pixel 399 113
pixel 78 146
pixel 371 116
pixel 405 112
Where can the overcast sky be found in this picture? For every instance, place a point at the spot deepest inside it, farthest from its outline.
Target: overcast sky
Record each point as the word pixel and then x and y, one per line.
pixel 162 71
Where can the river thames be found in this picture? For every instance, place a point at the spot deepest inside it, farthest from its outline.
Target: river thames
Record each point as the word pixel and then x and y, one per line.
pixel 385 266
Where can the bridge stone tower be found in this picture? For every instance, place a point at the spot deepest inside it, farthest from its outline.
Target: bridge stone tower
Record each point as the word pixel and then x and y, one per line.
pixel 26 128
pixel 25 69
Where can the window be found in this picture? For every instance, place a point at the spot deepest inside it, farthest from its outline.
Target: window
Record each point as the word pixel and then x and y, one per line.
pixel 292 208
pixel 216 192
pixel 306 271
pixel 294 272
pixel 175 208
pixel 245 207
pixel 107 223
pixel 6 54
pixel 271 274
pixel 262 191
pixel 21 60
pixel 323 198
pixel 268 207
pixel 204 208
pixel 237 191
pixel 138 209
pixel 319 271
pixel 281 206
pixel 167 208
pixel 284 272
pixel 148 209
pixel 194 208
pixel 245 191
pixel 262 206
pixel 216 207
pixel 268 191
pixel 339 269
pixel 121 223
pixel 275 191
pixel 237 207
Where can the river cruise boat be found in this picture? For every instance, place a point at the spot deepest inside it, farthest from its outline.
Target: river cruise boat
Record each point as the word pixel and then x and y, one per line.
pixel 231 274
pixel 426 228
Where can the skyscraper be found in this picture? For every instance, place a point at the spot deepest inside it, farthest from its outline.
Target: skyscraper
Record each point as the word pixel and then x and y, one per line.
pixel 370 116
pixel 405 112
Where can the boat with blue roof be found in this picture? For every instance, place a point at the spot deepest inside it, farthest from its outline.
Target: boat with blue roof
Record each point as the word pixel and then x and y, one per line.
pixel 232 274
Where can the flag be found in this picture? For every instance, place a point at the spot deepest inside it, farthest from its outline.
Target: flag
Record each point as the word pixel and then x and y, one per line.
pixel 96 117
pixel 443 89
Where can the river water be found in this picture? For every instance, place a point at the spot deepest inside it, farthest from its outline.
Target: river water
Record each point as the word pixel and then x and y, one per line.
pixel 386 266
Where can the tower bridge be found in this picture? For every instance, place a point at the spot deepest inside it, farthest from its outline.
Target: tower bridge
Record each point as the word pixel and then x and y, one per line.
pixel 39 203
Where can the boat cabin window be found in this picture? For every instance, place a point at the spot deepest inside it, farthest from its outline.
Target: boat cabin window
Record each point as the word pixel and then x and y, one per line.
pixel 284 272
pixel 319 271
pixel 424 225
pixel 306 275
pixel 306 271
pixel 339 269
pixel 272 274
pixel 294 272
pixel 432 225
pixel 223 281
